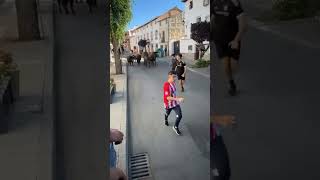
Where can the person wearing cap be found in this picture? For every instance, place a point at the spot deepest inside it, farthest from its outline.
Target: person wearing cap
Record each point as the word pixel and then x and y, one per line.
pixel 172 101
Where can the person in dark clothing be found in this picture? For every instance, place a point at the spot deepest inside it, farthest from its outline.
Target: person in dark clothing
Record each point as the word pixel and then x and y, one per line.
pixel 180 69
pixel 173 63
pixel 228 24
pixel 219 162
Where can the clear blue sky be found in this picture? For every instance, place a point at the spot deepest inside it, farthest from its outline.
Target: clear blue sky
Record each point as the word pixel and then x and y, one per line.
pixel 145 10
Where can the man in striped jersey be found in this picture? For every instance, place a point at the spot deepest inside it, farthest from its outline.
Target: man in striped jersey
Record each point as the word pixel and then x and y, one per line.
pixel 171 101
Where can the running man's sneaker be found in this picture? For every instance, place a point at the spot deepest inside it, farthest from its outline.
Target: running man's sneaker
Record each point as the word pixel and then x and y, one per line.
pixel 182 89
pixel 166 122
pixel 176 129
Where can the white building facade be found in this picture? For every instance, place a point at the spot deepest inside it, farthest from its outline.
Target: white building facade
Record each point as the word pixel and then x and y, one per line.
pixel 195 11
pixel 160 32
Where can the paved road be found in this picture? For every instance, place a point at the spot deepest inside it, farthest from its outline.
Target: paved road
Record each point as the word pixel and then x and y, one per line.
pixel 172 157
pixel 81 81
pixel 276 110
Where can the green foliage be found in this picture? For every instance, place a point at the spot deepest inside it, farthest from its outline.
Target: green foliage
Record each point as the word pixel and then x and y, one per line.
pixel 120 16
pixel 290 9
pixel 6 64
pixel 201 63
pixel 200 31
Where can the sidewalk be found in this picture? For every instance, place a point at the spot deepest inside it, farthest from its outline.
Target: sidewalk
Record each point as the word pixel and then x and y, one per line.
pixel 26 151
pixel 201 71
pixel 301 31
pixel 118 117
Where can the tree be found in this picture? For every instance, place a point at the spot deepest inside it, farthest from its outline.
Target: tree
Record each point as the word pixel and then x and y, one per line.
pixel 120 16
pixel 27 19
pixel 200 32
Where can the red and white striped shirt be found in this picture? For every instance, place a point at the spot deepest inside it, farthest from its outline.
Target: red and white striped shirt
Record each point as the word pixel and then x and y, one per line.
pixel 169 89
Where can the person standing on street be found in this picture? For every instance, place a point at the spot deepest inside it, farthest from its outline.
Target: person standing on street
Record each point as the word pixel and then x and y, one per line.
pixel 165 51
pixel 228 27
pixel 171 101
pixel 181 69
pixel 173 62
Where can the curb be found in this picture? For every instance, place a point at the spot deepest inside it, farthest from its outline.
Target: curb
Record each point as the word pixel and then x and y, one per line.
pixel 126 122
pixel 197 72
pixel 122 151
pixel 263 27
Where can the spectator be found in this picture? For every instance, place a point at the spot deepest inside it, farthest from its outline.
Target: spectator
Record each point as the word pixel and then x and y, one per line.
pixel 116 137
pixel 173 62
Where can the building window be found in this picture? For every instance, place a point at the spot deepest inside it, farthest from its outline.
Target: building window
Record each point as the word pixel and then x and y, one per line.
pixel 190 47
pixel 156 35
pixel 205 2
pixel 163 36
pixel 198 19
pixel 156 46
pixel 191 5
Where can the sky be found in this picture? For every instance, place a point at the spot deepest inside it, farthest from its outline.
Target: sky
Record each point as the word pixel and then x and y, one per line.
pixel 145 10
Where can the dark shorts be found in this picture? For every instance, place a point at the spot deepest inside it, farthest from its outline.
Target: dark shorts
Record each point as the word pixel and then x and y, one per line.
pixel 180 77
pixel 224 50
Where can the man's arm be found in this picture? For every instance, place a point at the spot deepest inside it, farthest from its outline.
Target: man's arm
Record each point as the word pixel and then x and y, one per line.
pixel 169 98
pixel 117 174
pixel 223 120
pixel 243 26
pixel 185 70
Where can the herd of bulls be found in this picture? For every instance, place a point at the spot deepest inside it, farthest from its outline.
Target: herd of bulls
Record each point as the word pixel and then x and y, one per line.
pixel 68 5
pixel 149 59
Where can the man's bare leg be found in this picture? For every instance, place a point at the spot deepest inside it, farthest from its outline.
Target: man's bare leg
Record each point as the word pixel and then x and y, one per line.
pixel 230 66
